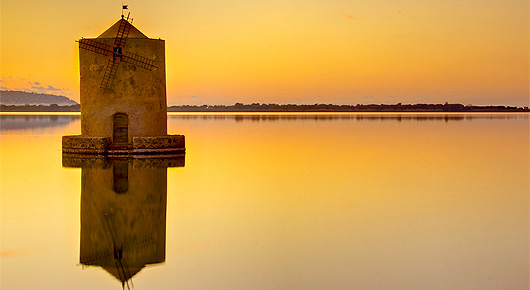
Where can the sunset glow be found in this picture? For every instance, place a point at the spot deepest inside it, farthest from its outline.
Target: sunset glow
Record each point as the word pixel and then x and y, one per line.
pixel 336 51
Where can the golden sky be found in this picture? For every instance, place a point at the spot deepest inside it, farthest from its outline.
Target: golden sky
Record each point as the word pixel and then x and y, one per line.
pixel 317 51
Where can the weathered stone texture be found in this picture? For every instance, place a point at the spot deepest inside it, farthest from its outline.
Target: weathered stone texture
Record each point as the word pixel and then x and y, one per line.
pixel 160 142
pixel 140 93
pixel 76 144
pixel 86 145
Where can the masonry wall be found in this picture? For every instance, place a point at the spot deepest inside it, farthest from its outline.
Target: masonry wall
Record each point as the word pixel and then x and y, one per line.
pixel 137 92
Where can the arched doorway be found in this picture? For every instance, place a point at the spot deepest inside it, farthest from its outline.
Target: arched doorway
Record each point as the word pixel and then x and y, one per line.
pixel 120 129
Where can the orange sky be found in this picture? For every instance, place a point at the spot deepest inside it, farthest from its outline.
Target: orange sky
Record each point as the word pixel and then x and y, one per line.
pixel 332 51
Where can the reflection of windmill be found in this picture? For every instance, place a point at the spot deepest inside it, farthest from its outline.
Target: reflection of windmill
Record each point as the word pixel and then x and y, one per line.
pixel 118 53
pixel 123 213
pixel 123 272
pixel 119 254
pixel 116 251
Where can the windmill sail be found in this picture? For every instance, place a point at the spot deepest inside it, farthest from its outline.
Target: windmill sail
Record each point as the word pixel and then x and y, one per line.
pixel 110 73
pixel 117 51
pixel 139 61
pixel 94 46
pixel 123 33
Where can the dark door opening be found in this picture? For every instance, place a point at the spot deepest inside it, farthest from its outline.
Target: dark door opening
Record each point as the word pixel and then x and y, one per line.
pixel 120 130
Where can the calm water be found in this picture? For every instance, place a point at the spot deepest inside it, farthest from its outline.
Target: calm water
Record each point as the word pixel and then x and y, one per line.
pixel 344 201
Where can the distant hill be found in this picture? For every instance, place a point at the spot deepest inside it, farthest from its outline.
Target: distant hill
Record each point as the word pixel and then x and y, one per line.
pixel 20 98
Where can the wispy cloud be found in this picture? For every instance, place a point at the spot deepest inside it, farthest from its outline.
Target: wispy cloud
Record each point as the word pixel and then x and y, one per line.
pixel 347 16
pixel 49 90
pixel 46 89
pixel 15 83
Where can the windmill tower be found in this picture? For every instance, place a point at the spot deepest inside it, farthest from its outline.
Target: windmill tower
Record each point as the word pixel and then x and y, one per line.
pixel 123 95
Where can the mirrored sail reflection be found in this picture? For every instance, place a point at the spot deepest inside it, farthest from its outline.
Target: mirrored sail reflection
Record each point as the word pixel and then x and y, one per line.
pixel 123 212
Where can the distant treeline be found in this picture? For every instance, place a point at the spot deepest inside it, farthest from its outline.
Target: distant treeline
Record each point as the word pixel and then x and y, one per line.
pixel 40 108
pixel 256 107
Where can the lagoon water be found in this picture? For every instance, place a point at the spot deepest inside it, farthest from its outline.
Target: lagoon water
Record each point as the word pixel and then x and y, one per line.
pixel 273 201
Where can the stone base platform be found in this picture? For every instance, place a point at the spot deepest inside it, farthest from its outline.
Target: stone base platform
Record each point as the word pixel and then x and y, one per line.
pixel 169 145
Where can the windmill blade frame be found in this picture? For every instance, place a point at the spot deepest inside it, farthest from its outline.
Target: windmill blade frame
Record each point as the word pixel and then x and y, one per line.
pixel 110 73
pixel 118 53
pixel 123 33
pixel 140 61
pixel 95 46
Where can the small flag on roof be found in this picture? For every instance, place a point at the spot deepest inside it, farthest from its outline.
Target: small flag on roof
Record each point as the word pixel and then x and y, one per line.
pixel 125 6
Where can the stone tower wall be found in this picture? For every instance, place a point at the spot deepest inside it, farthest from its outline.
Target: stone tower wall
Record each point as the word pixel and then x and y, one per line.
pixel 137 92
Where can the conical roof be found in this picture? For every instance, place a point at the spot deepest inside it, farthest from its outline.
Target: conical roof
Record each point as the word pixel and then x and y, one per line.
pixel 113 31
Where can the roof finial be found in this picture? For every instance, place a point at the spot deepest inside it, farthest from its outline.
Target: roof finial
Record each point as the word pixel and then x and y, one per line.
pixel 122 8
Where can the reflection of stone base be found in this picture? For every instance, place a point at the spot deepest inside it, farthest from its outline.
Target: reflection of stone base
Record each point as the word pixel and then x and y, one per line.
pixel 139 161
pixel 164 145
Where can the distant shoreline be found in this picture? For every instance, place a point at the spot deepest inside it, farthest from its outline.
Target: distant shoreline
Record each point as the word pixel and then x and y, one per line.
pixel 316 108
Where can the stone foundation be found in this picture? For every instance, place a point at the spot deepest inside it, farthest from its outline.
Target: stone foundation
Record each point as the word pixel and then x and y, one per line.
pixel 158 145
